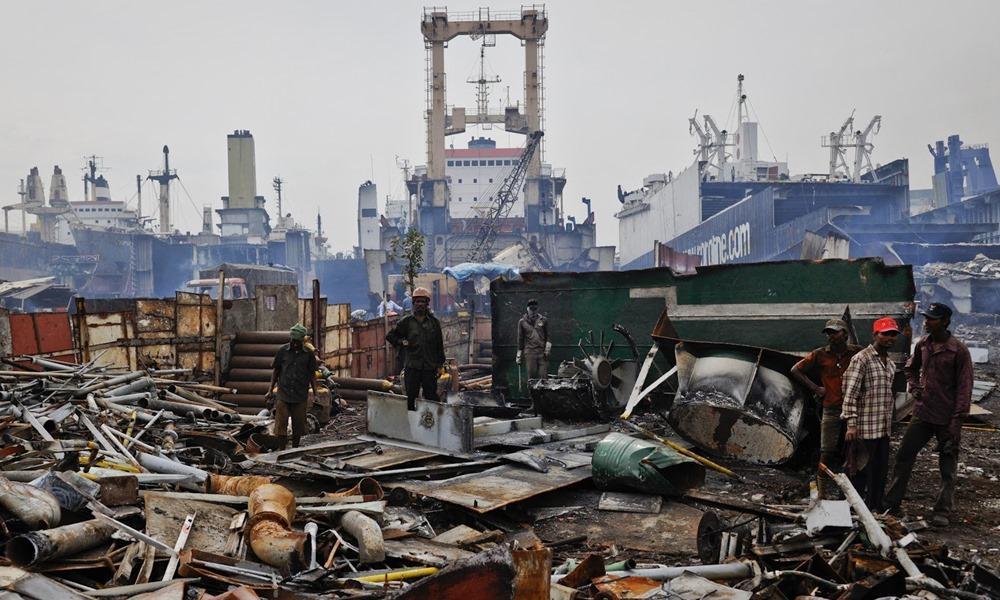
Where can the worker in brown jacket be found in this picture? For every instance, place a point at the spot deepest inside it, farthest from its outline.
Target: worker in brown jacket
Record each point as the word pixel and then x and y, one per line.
pixel 939 374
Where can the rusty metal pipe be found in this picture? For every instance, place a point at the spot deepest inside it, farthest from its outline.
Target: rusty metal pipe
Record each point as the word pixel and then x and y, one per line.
pixel 201 387
pixel 262 337
pixel 251 362
pixel 107 383
pixel 179 408
pixel 364 529
pixel 40 546
pixel 249 375
pixel 236 485
pixel 139 385
pixel 272 510
pixel 359 383
pixel 241 349
pixel 198 398
pixel 128 399
pixel 36 507
pixel 160 464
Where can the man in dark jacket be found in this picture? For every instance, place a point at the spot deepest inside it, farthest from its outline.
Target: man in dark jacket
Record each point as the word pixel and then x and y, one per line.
pixel 939 374
pixel 419 337
pixel 533 344
pixel 294 372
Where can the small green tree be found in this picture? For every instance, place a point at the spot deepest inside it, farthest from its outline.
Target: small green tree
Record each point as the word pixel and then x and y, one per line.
pixel 409 249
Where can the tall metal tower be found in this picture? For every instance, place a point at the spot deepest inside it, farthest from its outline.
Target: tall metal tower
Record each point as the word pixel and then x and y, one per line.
pixel 483 83
pixel 164 178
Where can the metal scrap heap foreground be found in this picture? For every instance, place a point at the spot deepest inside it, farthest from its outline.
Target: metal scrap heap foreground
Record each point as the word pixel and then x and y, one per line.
pixel 121 479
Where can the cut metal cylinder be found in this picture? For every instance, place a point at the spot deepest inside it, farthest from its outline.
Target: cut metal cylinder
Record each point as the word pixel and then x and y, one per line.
pixel 39 546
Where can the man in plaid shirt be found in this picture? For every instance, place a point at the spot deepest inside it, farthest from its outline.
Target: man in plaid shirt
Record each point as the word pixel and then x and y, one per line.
pixel 867 410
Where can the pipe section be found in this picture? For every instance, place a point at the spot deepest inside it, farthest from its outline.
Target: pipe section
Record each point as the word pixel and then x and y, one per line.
pixel 272 510
pixel 235 485
pixel 39 546
pixel 38 508
pixel 364 529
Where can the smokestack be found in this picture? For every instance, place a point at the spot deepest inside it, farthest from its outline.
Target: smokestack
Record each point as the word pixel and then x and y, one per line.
pixel 206 219
pixel 36 193
pixel 242 170
pixel 58 192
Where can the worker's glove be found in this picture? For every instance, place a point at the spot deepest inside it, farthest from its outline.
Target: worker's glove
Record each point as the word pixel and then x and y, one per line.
pixel 548 349
pixel 517 359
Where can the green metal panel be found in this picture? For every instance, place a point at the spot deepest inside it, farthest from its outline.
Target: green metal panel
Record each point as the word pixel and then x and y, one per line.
pixel 779 305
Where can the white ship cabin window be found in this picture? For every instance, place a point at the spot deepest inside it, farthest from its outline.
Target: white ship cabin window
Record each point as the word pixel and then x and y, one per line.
pixel 491 180
pixel 489 163
pixel 465 163
pixel 451 163
pixel 475 198
pixel 506 163
pixel 460 180
pixel 475 180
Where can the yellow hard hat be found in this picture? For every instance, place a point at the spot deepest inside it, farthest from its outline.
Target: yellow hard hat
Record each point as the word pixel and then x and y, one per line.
pixel 421 292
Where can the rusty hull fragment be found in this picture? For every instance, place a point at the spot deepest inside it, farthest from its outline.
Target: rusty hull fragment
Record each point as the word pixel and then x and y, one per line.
pixel 486 576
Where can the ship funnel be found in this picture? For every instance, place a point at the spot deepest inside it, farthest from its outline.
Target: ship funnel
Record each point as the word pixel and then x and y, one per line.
pixel 102 192
pixel 36 193
pixel 58 193
pixel 206 217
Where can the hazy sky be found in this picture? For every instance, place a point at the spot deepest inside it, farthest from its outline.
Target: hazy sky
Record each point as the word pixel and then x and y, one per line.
pixel 334 91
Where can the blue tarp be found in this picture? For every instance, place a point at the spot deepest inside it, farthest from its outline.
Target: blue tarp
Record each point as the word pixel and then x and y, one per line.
pixel 491 271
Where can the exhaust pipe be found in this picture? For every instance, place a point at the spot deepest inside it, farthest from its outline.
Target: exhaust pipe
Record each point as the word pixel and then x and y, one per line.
pixel 38 508
pixel 39 546
pixel 364 529
pixel 272 510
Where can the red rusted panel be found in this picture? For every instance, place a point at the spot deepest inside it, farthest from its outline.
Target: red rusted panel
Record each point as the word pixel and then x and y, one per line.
pixel 53 332
pixel 22 335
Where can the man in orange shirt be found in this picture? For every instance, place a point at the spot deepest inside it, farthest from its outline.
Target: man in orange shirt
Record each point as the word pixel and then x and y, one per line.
pixel 827 364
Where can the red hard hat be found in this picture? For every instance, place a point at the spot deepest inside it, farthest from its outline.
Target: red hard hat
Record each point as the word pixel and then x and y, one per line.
pixel 885 324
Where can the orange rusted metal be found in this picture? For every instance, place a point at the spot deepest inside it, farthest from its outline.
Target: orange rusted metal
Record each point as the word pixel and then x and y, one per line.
pixel 612 587
pixel 272 510
pixel 236 485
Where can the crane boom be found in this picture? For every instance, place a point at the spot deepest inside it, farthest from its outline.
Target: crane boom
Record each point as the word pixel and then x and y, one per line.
pixel 503 201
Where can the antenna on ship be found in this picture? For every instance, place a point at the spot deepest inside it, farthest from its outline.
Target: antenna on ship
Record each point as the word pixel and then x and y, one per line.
pixel 93 165
pixel 277 182
pixel 482 83
pixel 138 192
pixel 163 178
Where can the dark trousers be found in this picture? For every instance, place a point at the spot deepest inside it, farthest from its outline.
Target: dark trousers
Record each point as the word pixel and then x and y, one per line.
pixel 918 433
pixel 282 412
pixel 416 379
pixel 870 481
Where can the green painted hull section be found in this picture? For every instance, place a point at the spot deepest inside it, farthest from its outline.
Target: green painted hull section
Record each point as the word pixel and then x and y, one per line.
pixel 778 305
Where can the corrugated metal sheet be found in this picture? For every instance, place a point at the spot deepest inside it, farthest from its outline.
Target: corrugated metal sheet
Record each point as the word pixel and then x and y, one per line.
pixel 779 305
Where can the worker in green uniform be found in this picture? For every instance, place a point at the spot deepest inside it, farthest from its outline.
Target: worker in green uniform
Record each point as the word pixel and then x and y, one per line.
pixel 294 372
pixel 419 337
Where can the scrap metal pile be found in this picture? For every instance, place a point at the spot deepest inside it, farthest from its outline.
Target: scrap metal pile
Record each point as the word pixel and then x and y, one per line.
pixel 141 485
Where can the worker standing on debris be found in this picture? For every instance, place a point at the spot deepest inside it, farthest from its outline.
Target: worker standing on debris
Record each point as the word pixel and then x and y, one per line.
pixel 533 345
pixel 420 335
pixel 828 363
pixel 939 374
pixel 867 408
pixel 294 372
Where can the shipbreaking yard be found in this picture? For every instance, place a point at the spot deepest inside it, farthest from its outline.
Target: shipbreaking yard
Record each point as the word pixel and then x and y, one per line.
pixel 649 432
pixel 137 459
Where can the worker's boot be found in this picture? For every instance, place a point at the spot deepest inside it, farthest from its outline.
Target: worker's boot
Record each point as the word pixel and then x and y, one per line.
pixel 281 441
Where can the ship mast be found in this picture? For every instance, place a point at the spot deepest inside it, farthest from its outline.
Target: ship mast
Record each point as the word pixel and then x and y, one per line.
pixel 163 178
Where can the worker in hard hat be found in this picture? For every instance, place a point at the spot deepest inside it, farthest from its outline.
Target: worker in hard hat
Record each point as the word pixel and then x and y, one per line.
pixel 533 345
pixel 418 337
pixel 294 373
